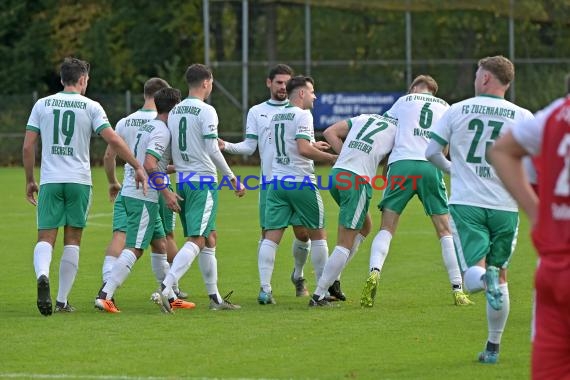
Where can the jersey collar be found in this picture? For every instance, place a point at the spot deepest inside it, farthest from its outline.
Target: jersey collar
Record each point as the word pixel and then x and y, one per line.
pixel 277 103
pixel 491 96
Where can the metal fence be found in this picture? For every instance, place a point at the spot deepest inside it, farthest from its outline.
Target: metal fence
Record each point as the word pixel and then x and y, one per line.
pixel 240 80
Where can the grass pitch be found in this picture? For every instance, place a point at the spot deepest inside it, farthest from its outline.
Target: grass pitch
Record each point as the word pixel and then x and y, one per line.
pixel 413 332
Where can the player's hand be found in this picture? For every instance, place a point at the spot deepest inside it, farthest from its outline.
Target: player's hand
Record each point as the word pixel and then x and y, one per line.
pixel 170 169
pixel 171 200
pixel 141 178
pixel 114 189
pixel 322 145
pixel 31 190
pixel 333 159
pixel 239 188
pixel 221 144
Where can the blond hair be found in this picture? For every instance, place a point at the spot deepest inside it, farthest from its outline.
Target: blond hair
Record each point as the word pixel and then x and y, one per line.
pixel 424 80
pixel 502 68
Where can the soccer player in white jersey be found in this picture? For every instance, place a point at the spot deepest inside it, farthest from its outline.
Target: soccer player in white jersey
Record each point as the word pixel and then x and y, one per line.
pixel 258 133
pixel 150 145
pixel 194 128
pixel 367 140
pixel 484 217
pixel 293 197
pixel 127 127
pixel 65 122
pixel 415 113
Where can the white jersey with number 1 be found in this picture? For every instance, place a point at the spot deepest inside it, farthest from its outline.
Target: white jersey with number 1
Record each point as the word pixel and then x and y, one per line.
pixel 470 127
pixel 127 127
pixel 150 138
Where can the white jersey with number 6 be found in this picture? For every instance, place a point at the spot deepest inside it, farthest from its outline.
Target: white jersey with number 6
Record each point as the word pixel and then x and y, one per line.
pixel 416 114
pixel 470 127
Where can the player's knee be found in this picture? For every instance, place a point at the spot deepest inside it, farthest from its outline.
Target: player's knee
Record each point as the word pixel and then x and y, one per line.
pixel 158 246
pixel 301 234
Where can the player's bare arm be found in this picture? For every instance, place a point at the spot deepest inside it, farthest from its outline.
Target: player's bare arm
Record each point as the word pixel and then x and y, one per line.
pixel 109 163
pixel 335 135
pixel 322 145
pixel 121 148
pixel 170 198
pixel 506 156
pixel 307 149
pixel 29 160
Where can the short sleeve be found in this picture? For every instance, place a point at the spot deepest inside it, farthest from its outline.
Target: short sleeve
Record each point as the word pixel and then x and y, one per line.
pixel 120 128
pixel 159 141
pixel 393 111
pixel 305 127
pixel 251 128
pixel 528 133
pixel 209 123
pixel 441 132
pixel 99 120
pixel 34 119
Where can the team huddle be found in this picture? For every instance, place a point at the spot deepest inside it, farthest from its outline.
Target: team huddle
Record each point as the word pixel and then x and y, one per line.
pixel 477 226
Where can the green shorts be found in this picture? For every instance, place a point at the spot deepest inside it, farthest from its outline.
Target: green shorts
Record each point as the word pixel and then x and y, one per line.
pixel 63 204
pixel 295 221
pixel 294 203
pixel 407 178
pixel 480 233
pixel 119 215
pixel 143 222
pixel 353 199
pixel 198 209
pixel 166 214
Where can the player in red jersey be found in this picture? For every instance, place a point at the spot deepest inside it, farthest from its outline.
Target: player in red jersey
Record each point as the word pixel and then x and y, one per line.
pixel 548 137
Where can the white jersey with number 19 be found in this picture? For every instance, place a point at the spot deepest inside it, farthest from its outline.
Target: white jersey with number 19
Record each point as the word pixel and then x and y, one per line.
pixel 65 122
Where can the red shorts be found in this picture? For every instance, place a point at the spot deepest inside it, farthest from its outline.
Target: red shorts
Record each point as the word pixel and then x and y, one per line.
pixel 551 324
